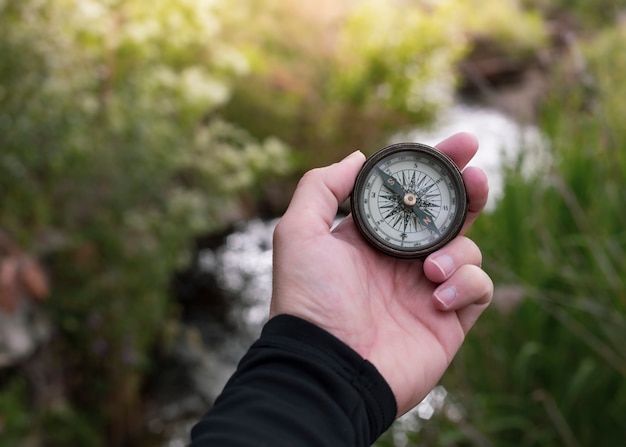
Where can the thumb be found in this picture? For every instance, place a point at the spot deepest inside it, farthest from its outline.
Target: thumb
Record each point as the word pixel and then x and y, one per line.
pixel 320 192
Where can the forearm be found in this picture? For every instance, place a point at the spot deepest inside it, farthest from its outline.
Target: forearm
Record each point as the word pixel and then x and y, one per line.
pixel 299 386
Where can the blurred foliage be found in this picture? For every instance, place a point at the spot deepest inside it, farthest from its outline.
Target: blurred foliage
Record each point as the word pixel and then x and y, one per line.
pixel 110 162
pixel 62 425
pixel 15 418
pixel 506 23
pixel 550 369
pixel 331 76
pixel 593 15
pixel 411 71
pixel 128 127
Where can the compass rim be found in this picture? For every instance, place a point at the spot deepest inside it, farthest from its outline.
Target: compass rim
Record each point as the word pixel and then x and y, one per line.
pixel 358 211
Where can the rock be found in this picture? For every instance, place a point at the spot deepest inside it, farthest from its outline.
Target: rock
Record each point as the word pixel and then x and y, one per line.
pixel 23 324
pixel 21 331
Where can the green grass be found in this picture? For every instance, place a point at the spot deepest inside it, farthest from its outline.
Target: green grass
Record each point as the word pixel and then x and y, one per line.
pixel 557 362
pixel 551 369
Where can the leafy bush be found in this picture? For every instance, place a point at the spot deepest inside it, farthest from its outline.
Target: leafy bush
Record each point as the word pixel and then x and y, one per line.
pixel 15 419
pixel 596 15
pixel 110 163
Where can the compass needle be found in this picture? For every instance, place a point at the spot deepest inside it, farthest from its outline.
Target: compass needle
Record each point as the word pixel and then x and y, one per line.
pixel 426 220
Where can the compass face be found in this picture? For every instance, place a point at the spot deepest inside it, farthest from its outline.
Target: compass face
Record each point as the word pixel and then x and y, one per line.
pixel 409 200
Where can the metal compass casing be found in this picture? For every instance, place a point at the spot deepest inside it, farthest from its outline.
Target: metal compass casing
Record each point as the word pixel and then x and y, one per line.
pixel 409 200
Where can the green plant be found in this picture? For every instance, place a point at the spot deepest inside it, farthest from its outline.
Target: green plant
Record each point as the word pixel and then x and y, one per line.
pixel 337 76
pixel 546 363
pixel 596 15
pixel 549 370
pixel 111 160
pixel 15 417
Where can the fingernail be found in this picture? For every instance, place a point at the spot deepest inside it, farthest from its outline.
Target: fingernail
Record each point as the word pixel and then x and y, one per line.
pixel 445 264
pixel 446 296
pixel 354 154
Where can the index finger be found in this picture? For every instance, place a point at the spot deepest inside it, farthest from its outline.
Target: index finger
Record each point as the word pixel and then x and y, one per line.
pixel 460 147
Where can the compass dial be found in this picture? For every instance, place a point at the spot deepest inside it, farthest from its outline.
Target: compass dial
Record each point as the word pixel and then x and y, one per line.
pixel 409 200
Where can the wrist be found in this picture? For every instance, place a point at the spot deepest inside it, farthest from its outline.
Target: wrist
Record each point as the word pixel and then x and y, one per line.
pixel 297 334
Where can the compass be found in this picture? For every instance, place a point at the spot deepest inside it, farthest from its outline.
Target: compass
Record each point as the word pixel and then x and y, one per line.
pixel 409 200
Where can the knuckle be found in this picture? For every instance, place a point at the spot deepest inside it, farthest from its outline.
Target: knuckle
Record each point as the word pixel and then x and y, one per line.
pixel 281 229
pixel 478 284
pixel 486 294
pixel 469 251
pixel 312 175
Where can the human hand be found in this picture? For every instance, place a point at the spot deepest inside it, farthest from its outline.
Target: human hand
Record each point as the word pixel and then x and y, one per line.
pixel 407 317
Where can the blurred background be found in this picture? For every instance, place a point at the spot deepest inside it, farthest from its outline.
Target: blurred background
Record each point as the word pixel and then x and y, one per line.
pixel 147 148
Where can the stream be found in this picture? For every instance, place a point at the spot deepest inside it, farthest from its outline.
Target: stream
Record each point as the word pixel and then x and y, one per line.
pixel 233 272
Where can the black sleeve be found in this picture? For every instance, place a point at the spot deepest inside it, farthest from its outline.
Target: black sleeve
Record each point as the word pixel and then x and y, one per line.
pixel 298 386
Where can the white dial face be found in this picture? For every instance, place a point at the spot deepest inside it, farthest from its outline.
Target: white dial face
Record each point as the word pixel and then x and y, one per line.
pixel 410 201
